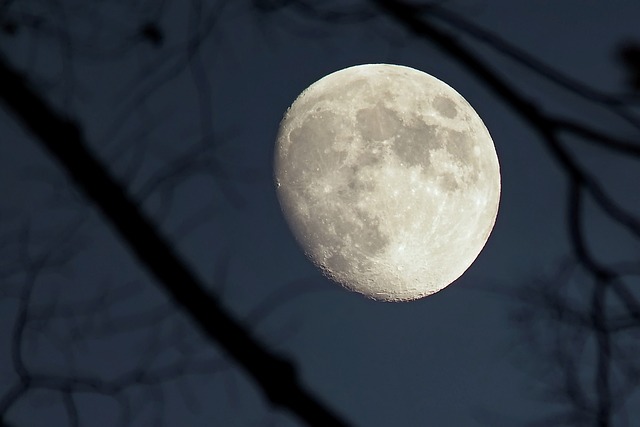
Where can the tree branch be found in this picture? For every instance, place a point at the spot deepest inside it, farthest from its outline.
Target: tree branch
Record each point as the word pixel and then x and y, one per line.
pixel 64 141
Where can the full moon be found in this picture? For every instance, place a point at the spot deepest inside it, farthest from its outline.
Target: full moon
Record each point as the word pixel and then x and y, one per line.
pixel 388 179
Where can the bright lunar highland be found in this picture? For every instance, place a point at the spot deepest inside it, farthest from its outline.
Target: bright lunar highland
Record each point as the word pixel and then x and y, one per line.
pixel 388 179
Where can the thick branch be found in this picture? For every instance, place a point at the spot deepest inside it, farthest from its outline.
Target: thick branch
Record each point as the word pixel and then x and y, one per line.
pixel 65 142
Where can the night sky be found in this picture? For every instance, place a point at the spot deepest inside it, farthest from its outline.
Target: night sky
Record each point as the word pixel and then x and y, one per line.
pixel 181 101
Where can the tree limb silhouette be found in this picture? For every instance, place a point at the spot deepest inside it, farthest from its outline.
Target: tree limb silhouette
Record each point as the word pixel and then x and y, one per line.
pixel 611 305
pixel 63 139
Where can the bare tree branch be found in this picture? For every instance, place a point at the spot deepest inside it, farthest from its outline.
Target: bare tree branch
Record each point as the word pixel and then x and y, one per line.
pixel 64 141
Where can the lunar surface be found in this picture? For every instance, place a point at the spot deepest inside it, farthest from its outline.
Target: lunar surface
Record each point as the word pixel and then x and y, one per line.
pixel 388 179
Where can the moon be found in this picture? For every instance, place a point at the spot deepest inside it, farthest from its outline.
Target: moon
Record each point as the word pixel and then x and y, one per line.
pixel 388 179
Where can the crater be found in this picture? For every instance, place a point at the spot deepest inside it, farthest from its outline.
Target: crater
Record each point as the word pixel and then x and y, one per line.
pixel 413 143
pixel 337 264
pixel 350 258
pixel 445 106
pixel 459 145
pixel 367 236
pixel 357 185
pixel 448 182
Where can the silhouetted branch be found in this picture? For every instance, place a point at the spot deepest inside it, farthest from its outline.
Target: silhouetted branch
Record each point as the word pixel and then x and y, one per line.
pixel 617 104
pixel 581 339
pixel 629 55
pixel 64 141
pixel 597 316
pixel 623 146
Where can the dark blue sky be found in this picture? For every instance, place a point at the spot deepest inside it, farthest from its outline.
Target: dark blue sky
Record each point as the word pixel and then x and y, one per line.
pixel 453 359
